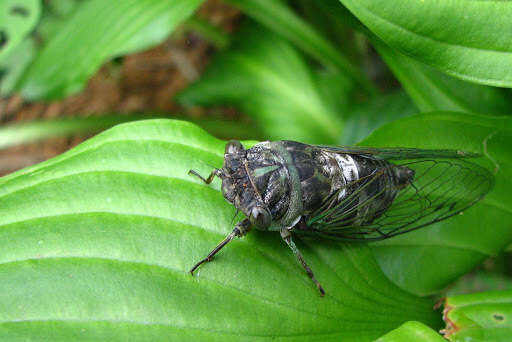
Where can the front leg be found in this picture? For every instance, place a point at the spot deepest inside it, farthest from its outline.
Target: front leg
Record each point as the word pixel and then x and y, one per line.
pixel 215 172
pixel 241 228
pixel 287 237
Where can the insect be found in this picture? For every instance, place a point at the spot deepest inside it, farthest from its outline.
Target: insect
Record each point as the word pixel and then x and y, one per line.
pixel 348 193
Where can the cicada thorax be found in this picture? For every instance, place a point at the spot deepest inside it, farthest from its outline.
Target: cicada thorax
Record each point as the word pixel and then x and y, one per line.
pixel 291 178
pixel 280 175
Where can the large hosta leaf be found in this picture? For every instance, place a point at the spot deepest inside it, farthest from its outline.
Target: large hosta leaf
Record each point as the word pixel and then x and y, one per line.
pixel 428 259
pixel 97 243
pixel 462 38
pixel 97 31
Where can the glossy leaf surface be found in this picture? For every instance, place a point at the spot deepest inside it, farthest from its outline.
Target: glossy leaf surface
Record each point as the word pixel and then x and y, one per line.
pixel 97 244
pixel 462 38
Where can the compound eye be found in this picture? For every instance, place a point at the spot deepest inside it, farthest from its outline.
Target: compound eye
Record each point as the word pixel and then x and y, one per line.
pixel 260 217
pixel 233 146
pixel 228 190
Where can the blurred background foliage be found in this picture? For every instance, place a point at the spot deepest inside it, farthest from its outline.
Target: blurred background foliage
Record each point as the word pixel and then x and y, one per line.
pixel 322 72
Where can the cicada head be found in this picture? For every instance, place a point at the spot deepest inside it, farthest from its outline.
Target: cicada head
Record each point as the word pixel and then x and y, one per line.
pixel 234 155
pixel 240 189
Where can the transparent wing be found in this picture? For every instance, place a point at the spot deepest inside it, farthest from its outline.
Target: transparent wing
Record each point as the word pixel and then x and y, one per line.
pixel 399 153
pixel 374 210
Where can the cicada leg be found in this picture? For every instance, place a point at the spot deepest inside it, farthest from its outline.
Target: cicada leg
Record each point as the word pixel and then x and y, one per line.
pixel 215 172
pixel 287 237
pixel 241 228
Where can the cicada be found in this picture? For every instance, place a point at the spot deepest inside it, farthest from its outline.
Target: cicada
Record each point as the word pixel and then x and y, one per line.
pixel 348 193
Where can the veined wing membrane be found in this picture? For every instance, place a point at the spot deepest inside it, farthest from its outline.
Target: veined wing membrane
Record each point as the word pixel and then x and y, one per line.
pixel 441 187
pixel 400 153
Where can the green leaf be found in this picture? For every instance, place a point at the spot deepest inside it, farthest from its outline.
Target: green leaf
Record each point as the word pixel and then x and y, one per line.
pixel 278 17
pixel 94 33
pixel 462 38
pixel 17 19
pixel 30 131
pixel 412 331
pixel 37 130
pixel 97 244
pixel 55 13
pixel 479 317
pixel 12 67
pixel 432 90
pixel 364 118
pixel 327 18
pixel 268 79
pixel 61 7
pixel 426 260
